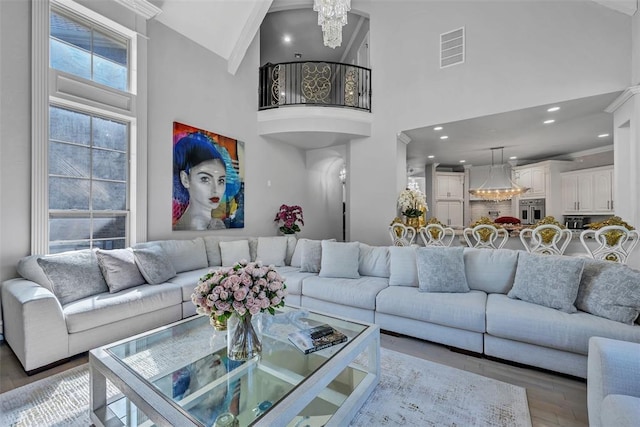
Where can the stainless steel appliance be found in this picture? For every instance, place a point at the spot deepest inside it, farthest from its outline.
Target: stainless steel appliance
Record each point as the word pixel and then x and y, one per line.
pixel 576 222
pixel 531 211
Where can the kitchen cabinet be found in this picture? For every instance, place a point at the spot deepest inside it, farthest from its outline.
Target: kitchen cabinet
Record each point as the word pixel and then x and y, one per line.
pixel 588 191
pixel 449 212
pixel 603 191
pixel 533 178
pixel 449 185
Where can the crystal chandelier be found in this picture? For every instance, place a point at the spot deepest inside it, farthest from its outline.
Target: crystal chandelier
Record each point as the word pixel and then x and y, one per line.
pixel 332 16
pixel 498 185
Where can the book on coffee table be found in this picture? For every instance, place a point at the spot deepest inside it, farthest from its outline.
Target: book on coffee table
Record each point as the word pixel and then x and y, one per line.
pixel 316 338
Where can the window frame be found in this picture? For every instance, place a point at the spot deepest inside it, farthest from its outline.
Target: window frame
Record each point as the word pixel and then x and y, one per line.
pixel 51 87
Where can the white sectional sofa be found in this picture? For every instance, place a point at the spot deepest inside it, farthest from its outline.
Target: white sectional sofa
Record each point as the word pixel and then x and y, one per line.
pixel 493 302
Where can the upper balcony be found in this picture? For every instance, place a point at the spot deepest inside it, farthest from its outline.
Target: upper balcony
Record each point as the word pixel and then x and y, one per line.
pixel 313 104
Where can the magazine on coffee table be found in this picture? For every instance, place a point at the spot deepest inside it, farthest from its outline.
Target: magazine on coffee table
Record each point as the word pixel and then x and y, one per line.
pixel 316 338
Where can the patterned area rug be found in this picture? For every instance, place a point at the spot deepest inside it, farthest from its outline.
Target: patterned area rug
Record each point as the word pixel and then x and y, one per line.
pixel 412 392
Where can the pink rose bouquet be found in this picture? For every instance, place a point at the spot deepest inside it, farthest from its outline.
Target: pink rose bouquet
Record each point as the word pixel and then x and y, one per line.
pixel 288 215
pixel 247 287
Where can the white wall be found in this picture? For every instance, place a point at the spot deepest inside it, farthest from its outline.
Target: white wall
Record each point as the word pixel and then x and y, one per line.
pixel 519 54
pixel 191 85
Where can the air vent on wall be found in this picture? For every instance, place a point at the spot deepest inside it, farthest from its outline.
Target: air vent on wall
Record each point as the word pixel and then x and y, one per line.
pixel 452 48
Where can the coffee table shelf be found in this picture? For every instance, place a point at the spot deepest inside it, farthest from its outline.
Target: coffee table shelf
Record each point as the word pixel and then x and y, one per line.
pixel 331 384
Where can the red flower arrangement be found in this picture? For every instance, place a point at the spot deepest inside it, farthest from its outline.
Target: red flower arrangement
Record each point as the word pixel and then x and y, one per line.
pixel 289 215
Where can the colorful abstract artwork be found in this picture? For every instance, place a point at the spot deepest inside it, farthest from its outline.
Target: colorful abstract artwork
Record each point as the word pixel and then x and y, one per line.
pixel 208 180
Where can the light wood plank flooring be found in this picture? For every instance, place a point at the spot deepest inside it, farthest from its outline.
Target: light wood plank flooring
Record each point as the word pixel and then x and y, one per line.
pixel 554 400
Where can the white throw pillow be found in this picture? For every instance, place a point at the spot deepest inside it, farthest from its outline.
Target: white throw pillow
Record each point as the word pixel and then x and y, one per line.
pixel 403 268
pixel 272 250
pixel 340 260
pixel 296 259
pixel 374 260
pixel 234 251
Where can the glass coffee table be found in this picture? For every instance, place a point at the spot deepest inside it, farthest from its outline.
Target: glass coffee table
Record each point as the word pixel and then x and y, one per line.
pixel 179 375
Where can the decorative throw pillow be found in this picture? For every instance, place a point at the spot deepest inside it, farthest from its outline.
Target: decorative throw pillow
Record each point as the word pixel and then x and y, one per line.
pixel 441 269
pixel 29 268
pixel 119 269
pixel 490 271
pixel 548 280
pixel 374 261
pixel 610 290
pixel 74 275
pixel 234 251
pixel 154 264
pixel 311 255
pixel 272 250
pixel 340 259
pixel 403 269
pixel 296 259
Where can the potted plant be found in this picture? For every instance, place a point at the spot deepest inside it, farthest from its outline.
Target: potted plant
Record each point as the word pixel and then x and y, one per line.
pixel 413 205
pixel 288 216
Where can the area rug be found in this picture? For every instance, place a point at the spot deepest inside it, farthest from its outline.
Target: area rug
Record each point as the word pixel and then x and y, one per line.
pixel 411 392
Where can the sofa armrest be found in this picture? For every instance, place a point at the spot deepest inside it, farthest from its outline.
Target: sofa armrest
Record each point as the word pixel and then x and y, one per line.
pixel 613 368
pixel 34 324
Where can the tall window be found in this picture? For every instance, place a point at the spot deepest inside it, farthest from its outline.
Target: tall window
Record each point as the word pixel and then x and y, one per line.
pixel 90 139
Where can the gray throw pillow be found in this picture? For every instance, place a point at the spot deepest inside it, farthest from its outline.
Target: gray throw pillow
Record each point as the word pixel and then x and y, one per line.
pixel 548 280
pixel 610 290
pixel 441 269
pixel 74 275
pixel 154 264
pixel 119 269
pixel 340 260
pixel 311 255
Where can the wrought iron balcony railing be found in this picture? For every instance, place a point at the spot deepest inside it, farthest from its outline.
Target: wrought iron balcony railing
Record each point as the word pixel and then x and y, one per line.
pixel 315 83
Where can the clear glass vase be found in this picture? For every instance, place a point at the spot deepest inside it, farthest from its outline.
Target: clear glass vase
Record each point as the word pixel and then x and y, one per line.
pixel 243 343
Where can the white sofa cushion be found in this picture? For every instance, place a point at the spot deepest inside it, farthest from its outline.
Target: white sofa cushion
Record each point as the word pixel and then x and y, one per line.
pixel 293 278
pixel 188 280
pixel 29 268
pixel 74 275
pixel 458 310
pixel 491 271
pixel 340 259
pixel 360 293
pixel 272 250
pixel 535 324
pixel 185 255
pixel 374 261
pixel 234 251
pixel 119 269
pixel 403 269
pixel 106 308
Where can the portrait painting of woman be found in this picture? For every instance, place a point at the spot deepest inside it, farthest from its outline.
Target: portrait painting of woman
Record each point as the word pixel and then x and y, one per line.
pixel 208 190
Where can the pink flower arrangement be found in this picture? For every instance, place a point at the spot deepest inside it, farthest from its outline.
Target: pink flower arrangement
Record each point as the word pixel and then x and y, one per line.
pixel 247 287
pixel 289 215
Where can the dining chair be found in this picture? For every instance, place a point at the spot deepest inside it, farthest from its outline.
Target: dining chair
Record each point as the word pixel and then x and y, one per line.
pixel 483 234
pixel 402 235
pixel 547 239
pixel 614 242
pixel 436 235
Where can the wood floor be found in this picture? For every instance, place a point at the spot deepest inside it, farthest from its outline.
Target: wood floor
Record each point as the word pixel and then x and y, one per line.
pixel 554 400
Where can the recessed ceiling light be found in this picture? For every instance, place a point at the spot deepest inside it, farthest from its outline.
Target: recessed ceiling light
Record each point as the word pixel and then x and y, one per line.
pixel 546 122
pixel 444 137
pixel 430 157
pixel 287 38
pixel 462 161
pixel 552 109
pixel 603 135
pixel 297 55
pixel 437 128
pixel 513 157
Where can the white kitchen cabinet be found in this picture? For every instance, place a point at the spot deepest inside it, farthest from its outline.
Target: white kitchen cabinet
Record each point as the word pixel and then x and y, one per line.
pixel 603 191
pixel 449 212
pixel 449 185
pixel 588 191
pixel 533 178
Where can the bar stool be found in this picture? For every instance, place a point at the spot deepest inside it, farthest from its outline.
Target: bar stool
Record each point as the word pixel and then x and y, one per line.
pixel 548 237
pixel 615 240
pixel 436 234
pixel 484 234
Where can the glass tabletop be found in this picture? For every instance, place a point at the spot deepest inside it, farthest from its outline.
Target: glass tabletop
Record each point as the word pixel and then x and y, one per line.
pixel 187 364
